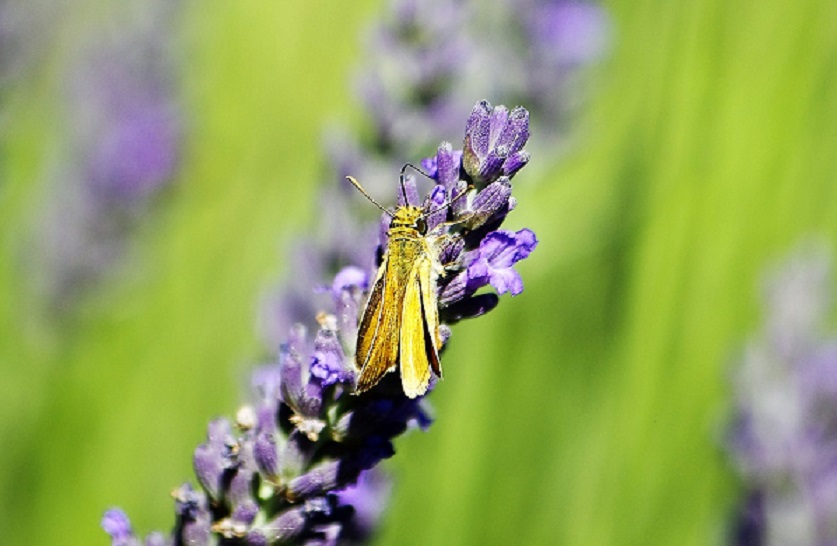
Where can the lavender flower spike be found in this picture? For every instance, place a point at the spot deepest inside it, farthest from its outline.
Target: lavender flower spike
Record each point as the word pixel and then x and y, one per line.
pixel 298 464
pixel 783 441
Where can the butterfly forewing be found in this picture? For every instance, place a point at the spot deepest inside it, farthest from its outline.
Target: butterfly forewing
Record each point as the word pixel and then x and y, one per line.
pixel 378 335
pixel 371 320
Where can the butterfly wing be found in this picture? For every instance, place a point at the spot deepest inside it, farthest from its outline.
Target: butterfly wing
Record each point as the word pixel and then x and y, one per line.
pixel 377 346
pixel 371 320
pixel 430 311
pixel 415 370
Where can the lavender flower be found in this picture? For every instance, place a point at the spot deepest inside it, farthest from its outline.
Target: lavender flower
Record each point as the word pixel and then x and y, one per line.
pixel 123 148
pixel 298 465
pixel 784 439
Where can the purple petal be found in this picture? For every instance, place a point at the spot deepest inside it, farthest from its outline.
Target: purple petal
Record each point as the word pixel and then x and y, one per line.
pixel 506 280
pixel 429 166
pixel 503 248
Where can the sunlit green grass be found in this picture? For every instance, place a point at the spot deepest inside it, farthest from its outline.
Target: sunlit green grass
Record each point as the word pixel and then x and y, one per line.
pixel 588 410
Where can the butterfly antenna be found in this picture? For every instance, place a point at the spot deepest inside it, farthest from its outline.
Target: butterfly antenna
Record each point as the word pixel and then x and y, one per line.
pixel 403 170
pixel 357 185
pixel 451 202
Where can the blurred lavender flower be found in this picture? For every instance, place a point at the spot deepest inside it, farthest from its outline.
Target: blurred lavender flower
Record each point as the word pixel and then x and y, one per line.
pixel 124 147
pixel 429 58
pixel 784 438
pixel 297 466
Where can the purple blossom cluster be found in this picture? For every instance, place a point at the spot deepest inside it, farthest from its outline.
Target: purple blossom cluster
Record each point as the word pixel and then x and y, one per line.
pixel 297 464
pixel 425 62
pixel 784 438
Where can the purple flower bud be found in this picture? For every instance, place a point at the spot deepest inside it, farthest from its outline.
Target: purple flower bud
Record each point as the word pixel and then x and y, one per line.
pixel 245 512
pixel 492 135
pixel 283 528
pixel 266 454
pixel 241 485
pixel 266 416
pixel 116 524
pixel 447 166
pixel 498 252
pixel 450 249
pixel 454 290
pixel 348 289
pixel 267 381
pixel 491 203
pixel 303 396
pixel 435 204
pixel 319 480
pixel 327 362
pixel 210 466
pixel 460 195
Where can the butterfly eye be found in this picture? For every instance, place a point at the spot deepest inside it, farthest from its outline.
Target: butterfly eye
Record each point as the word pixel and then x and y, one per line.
pixel 421 226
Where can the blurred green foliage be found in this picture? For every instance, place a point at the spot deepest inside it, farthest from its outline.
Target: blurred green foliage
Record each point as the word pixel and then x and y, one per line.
pixel 589 410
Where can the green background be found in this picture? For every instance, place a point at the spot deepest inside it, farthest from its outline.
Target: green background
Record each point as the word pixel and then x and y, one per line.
pixel 589 410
